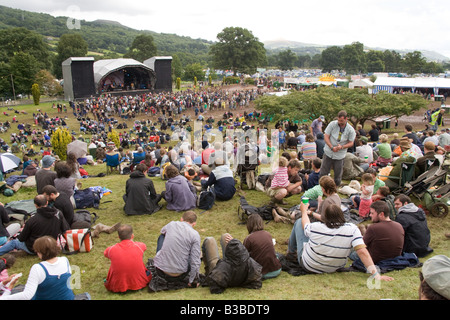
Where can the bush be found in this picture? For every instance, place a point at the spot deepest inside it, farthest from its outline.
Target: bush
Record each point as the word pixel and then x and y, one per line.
pixel 36 92
pixel 114 137
pixel 250 81
pixel 231 80
pixel 59 140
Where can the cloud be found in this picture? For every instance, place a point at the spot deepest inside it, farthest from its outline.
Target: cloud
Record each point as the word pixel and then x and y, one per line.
pixel 399 24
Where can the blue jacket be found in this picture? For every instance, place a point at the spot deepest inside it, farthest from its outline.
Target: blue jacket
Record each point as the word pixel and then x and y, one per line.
pixel 398 263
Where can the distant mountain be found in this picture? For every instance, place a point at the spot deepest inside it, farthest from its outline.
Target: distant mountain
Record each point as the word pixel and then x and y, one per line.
pixel 300 47
pixel 109 22
pixel 281 43
pixel 105 37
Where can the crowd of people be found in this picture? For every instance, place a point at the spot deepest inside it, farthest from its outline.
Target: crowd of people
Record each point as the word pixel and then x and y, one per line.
pixel 310 161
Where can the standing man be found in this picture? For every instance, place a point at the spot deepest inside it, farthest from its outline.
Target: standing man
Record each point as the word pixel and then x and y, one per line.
pixel 437 119
pixel 339 136
pixel 316 125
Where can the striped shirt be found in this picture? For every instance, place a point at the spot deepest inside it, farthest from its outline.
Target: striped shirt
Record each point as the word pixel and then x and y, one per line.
pixel 327 249
pixel 309 150
pixel 280 179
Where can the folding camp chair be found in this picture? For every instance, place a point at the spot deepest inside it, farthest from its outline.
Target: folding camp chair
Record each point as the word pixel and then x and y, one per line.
pixel 112 163
pixel 407 174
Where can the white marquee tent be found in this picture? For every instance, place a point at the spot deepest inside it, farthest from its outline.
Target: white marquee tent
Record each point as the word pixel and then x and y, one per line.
pixel 389 83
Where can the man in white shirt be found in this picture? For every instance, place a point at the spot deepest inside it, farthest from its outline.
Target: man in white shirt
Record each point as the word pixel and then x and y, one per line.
pixel 324 247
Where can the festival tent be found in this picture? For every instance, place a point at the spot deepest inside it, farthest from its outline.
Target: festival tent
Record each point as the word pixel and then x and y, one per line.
pixel 389 84
pixel 361 83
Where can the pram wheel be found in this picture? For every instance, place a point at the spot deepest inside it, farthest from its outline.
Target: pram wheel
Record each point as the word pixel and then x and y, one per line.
pixel 439 210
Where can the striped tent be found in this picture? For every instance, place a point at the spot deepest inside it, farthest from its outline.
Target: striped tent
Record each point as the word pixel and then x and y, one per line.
pixel 389 83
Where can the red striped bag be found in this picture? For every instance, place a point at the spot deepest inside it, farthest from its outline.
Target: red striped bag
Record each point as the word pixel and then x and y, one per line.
pixel 78 240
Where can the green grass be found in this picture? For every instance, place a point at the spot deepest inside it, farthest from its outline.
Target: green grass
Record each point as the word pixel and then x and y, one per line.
pixel 222 218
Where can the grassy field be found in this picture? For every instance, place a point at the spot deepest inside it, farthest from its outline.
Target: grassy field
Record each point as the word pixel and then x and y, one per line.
pixel 93 266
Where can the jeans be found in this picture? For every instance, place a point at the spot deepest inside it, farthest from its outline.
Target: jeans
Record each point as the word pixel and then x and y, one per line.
pixel 14 244
pixel 364 166
pixel 160 242
pixel 297 239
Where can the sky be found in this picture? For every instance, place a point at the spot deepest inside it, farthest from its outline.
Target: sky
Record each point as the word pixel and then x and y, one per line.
pixel 386 24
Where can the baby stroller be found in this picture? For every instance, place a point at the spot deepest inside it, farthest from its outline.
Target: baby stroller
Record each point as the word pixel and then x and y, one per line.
pixel 437 201
pixel 247 166
pixel 431 187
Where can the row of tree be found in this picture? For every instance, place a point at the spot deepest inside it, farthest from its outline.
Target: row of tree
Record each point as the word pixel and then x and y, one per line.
pixel 328 101
pixel 26 58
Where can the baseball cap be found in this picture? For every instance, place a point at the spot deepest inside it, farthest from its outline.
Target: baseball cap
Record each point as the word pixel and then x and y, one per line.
pixel 322 117
pixel 436 272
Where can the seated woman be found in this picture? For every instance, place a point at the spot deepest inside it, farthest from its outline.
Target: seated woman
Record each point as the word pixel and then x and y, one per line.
pixel 148 161
pixel 74 166
pixel 180 195
pixel 259 245
pixel 48 279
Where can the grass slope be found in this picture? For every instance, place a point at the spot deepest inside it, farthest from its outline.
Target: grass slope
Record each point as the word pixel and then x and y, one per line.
pixel 93 266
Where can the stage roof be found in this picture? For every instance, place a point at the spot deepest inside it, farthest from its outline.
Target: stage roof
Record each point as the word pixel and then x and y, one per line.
pixel 102 68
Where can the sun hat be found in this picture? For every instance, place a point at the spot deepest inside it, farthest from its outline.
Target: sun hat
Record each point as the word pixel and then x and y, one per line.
pixel 47 161
pixel 405 143
pixel 436 272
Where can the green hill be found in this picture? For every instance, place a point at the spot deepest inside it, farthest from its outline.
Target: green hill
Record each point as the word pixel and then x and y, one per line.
pixel 105 37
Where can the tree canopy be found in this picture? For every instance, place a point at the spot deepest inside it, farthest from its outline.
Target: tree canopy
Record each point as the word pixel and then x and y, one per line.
pixel 69 45
pixel 361 106
pixel 238 50
pixel 142 48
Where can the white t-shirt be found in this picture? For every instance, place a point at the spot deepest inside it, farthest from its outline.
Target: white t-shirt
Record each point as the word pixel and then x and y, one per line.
pixel 36 277
pixel 365 150
pixel 327 249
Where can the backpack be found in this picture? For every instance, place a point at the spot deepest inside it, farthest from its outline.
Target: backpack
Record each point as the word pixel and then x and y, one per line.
pixel 83 219
pixel 163 170
pixel 245 209
pixel 86 198
pixel 206 199
pixel 392 210
pixel 153 171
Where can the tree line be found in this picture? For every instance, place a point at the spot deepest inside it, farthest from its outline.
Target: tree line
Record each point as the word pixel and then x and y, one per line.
pixel 33 46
